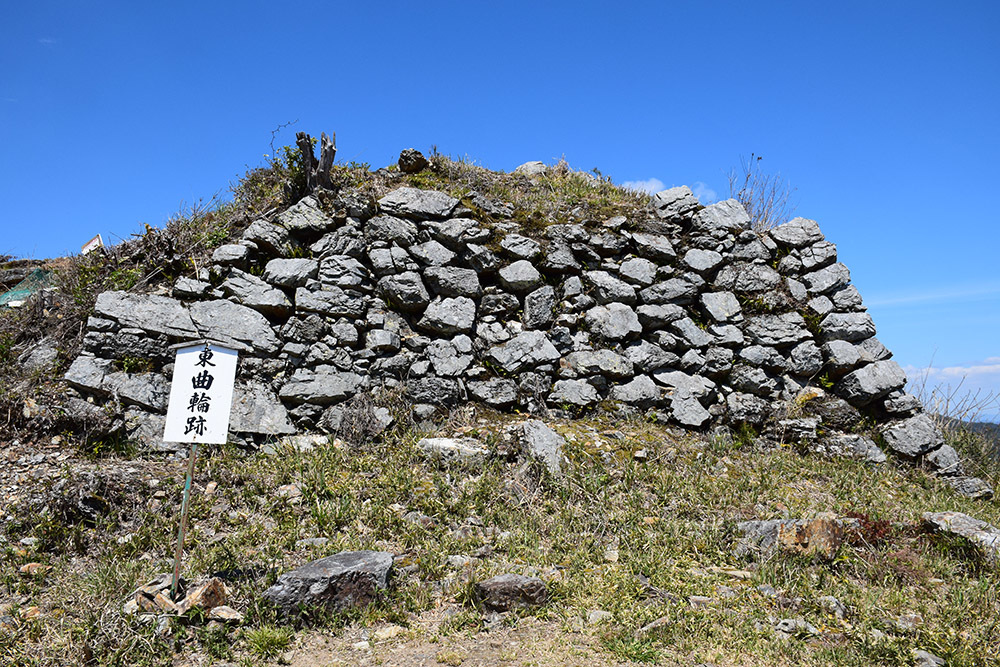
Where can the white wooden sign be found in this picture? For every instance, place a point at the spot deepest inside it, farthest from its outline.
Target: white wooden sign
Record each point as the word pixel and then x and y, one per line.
pixel 201 395
pixel 92 244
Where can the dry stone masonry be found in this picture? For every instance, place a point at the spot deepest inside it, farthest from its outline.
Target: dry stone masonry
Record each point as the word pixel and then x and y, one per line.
pixel 684 312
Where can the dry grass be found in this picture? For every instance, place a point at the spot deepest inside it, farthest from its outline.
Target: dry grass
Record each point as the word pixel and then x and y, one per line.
pixel 766 197
pixel 636 538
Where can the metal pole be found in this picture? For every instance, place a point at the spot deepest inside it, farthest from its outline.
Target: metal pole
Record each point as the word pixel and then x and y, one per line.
pixel 185 506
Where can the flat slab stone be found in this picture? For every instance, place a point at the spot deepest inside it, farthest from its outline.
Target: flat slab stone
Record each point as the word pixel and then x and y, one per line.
pixel 149 312
pixel 970 487
pixel 342 581
pixel 573 393
pixel 674 203
pixel 778 330
pixel 290 272
pixel 821 536
pixel 449 316
pixel 496 392
pixel 980 534
pixel 525 350
pixel 827 279
pixel 851 327
pixel 511 591
pixel 797 233
pixel 641 392
pixel 255 293
pixel 308 386
pixel 453 449
pixel 226 321
pixel 653 246
pixel 331 301
pixel 726 215
pixel 615 322
pixel 722 306
pixel 604 362
pixel 419 204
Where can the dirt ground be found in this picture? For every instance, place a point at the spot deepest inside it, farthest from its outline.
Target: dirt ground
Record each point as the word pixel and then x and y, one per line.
pixel 531 641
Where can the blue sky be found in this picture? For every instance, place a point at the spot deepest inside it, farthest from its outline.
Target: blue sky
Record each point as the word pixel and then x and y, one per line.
pixel 882 116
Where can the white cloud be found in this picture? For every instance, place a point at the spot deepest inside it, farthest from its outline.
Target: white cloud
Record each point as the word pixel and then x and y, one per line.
pixel 987 368
pixel 947 294
pixel 965 392
pixel 47 41
pixel 650 185
pixel 705 194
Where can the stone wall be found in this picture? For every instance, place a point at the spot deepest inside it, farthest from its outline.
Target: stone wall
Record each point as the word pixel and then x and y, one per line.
pixel 684 312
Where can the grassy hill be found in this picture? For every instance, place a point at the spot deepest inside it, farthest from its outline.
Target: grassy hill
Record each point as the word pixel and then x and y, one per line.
pixel 638 541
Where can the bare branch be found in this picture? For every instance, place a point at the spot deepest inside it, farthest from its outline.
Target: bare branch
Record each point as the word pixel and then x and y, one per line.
pixel 764 196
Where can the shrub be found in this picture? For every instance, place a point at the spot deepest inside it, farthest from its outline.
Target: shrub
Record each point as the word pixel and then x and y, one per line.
pixel 764 196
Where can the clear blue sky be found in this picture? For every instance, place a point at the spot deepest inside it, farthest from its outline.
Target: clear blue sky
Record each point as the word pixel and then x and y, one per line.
pixel 883 116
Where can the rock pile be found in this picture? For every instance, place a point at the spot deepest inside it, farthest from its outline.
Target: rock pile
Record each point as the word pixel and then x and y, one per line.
pixel 684 311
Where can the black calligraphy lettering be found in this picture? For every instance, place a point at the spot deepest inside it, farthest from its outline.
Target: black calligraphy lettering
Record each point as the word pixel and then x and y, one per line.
pixel 203 380
pixel 196 424
pixel 200 402
pixel 203 358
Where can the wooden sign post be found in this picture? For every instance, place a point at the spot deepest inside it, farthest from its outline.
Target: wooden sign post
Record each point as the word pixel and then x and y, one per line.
pixel 201 397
